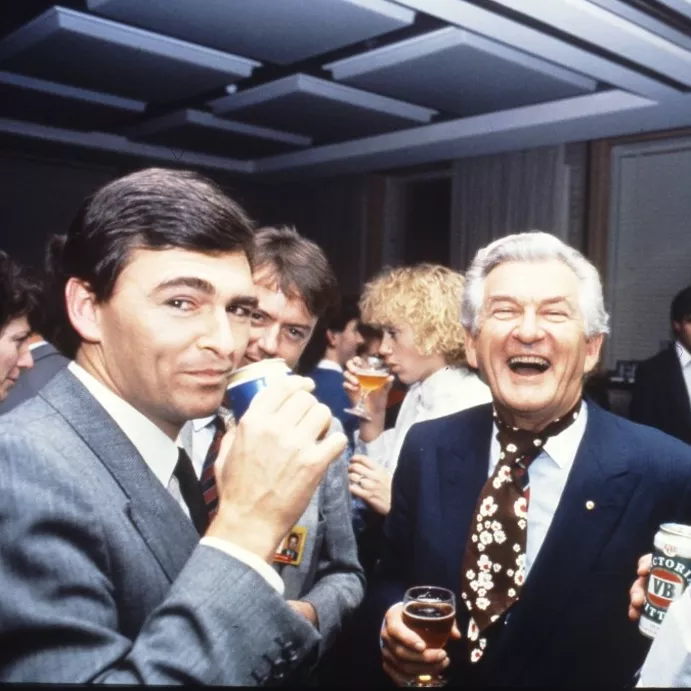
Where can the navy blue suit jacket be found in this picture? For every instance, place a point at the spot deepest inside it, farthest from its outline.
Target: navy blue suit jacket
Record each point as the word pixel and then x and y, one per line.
pixel 329 390
pixel 570 626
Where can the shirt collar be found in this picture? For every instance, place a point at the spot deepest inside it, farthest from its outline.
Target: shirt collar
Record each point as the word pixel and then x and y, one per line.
pixel 329 364
pixel 430 389
pixel 561 448
pixel 202 422
pixel 683 355
pixel 37 344
pixel 158 450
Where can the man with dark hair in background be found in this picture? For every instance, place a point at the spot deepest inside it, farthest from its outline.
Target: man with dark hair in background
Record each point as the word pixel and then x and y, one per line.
pixel 295 286
pixel 48 361
pixel 335 341
pixel 18 300
pixel 662 391
pixel 103 577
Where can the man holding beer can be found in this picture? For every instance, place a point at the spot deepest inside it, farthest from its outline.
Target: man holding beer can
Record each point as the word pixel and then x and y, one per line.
pixel 532 509
pixel 295 286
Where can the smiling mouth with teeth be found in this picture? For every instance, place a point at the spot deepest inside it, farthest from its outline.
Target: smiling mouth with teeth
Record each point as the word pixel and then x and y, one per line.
pixel 528 364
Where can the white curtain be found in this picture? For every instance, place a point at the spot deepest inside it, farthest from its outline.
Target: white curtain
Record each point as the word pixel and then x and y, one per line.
pixel 507 193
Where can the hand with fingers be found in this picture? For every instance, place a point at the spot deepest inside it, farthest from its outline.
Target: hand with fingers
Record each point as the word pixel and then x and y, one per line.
pixel 405 655
pixel 637 591
pixel 271 465
pixel 372 483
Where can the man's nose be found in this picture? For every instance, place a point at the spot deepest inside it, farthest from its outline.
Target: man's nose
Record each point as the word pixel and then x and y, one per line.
pixel 220 333
pixel 268 341
pixel 385 345
pixel 529 329
pixel 26 360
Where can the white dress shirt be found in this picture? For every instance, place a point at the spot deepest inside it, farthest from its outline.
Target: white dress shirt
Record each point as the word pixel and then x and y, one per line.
pixel 160 453
pixel 548 474
pixel 685 362
pixel 447 391
pixel 668 663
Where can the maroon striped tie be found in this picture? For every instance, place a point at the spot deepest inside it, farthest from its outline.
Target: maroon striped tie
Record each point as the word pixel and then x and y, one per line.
pixel 208 477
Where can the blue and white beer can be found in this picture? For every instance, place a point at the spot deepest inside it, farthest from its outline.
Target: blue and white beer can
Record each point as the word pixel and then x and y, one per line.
pixel 246 382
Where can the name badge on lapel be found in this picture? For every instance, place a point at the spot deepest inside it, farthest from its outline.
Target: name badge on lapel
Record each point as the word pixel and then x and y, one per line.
pixel 293 545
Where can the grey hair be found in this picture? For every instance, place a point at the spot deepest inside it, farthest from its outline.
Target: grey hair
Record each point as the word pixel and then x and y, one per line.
pixel 527 247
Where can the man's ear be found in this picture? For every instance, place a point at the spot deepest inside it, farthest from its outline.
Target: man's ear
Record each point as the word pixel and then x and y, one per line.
pixel 470 348
pixel 592 352
pixel 331 338
pixel 676 327
pixel 82 310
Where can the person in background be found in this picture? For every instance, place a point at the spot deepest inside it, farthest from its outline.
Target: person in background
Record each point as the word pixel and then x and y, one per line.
pixel 18 300
pixel 335 341
pixel 47 360
pixel 418 309
pixel 295 286
pixel 661 395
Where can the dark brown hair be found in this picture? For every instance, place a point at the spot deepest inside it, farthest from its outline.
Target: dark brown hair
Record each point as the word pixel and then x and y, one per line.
pixel 154 208
pixel 19 296
pixel 299 268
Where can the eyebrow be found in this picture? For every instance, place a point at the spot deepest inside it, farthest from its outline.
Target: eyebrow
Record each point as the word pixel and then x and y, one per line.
pixel 244 301
pixel 513 298
pixel 186 282
pixel 273 319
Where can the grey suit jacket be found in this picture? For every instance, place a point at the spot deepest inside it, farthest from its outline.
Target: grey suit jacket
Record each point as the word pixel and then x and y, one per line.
pixel 102 578
pixel 47 363
pixel 329 575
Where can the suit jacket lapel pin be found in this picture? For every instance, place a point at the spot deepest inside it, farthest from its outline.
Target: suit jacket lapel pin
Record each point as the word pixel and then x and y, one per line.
pixel 590 505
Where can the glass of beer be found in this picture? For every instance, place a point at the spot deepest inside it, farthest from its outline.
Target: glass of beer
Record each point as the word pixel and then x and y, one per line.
pixel 371 375
pixel 430 612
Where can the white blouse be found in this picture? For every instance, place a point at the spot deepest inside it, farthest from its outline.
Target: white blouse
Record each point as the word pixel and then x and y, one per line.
pixel 447 391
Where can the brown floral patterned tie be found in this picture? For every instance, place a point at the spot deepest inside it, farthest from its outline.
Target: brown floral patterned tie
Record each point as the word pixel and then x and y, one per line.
pixel 494 561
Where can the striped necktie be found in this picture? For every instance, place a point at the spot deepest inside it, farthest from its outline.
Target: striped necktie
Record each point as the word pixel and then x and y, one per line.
pixel 207 480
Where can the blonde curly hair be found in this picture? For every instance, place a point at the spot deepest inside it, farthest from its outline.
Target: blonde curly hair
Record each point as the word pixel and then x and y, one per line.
pixel 425 296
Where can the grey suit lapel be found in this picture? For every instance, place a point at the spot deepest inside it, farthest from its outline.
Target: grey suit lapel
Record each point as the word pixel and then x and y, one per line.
pixel 165 528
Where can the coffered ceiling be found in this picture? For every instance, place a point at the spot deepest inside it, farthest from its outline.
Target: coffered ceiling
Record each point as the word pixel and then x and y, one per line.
pixel 280 88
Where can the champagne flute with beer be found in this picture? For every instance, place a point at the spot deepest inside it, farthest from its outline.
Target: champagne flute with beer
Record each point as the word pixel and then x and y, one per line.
pixel 371 374
pixel 429 611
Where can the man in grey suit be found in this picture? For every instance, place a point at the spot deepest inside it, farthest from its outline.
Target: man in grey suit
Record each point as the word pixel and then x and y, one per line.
pixel 103 576
pixel 295 287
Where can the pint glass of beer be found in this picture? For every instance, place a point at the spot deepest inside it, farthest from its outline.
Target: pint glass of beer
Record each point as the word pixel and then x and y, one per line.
pixel 430 612
pixel 371 375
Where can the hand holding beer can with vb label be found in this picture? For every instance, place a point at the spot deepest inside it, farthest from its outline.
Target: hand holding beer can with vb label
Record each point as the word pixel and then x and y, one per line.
pixel 670 574
pixel 246 382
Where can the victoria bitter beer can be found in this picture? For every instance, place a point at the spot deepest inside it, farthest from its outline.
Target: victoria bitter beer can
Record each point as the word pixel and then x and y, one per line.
pixel 670 573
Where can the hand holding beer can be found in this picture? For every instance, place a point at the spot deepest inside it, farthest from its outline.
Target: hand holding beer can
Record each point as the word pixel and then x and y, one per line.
pixel 246 382
pixel 670 574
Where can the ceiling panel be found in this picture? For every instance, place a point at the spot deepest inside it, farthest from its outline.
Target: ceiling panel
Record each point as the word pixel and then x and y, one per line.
pixel 459 72
pixel 280 31
pixel 197 131
pixel 36 100
pixel 81 50
pixel 322 109
pixel 681 6
pixel 611 32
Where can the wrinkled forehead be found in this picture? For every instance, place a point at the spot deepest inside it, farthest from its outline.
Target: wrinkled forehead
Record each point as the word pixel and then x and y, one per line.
pixel 532 282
